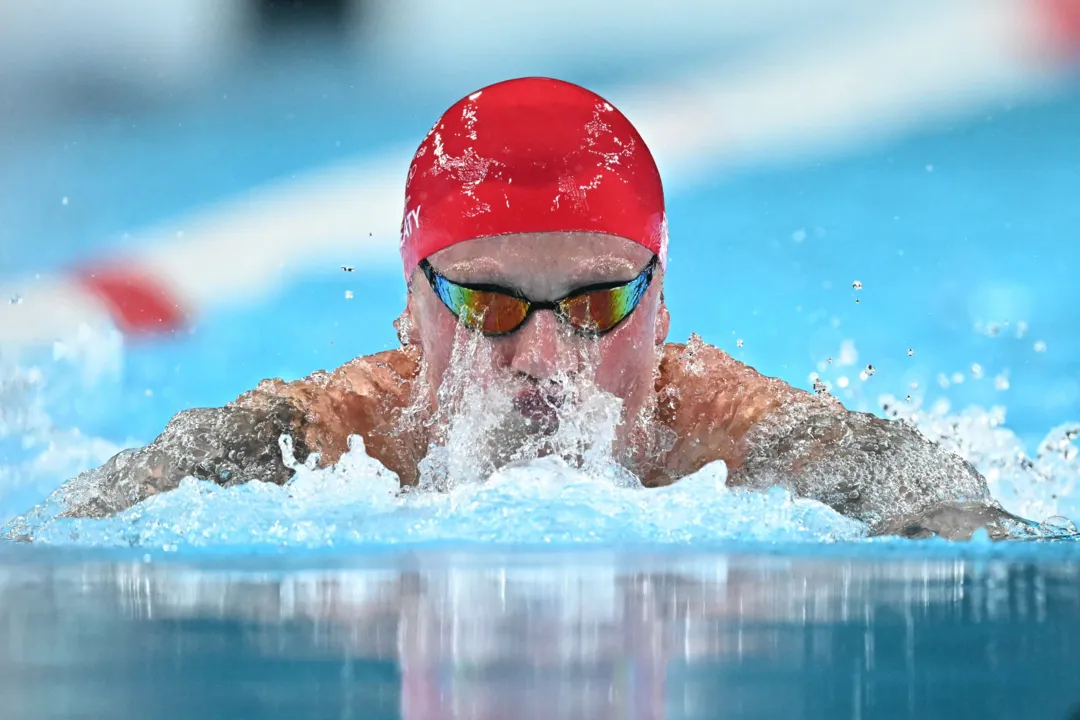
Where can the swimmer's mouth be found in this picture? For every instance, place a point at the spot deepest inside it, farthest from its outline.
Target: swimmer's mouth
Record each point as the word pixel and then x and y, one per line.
pixel 539 406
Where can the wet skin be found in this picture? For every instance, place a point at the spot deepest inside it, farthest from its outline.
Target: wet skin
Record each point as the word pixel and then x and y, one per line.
pixel 710 406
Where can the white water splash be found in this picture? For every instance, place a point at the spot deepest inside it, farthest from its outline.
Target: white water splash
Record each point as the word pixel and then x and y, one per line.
pixel 35 453
pixel 356 503
pixel 1035 486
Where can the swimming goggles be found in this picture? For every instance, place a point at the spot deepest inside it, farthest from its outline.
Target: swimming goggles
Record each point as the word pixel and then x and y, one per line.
pixel 495 310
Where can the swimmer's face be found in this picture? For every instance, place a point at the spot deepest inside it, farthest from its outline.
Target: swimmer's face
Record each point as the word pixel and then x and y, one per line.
pixel 548 266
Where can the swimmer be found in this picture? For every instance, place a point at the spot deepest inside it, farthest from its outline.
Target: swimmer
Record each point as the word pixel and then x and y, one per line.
pixel 534 247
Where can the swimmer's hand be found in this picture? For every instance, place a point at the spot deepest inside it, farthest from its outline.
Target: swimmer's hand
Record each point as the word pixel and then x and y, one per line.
pixel 881 472
pixel 240 442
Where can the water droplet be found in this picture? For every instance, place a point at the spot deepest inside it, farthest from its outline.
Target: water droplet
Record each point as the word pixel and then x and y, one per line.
pixel 842 381
pixel 799 235
pixel 976 371
pixel 1040 346
pixel 1001 382
pixel 64 201
pixel 929 168
pixel 348 295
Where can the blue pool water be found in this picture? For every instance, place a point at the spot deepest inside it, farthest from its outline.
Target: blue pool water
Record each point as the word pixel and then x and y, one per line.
pixel 549 590
pixel 580 634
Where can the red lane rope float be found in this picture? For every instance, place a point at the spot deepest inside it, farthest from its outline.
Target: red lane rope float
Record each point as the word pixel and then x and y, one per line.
pixel 137 302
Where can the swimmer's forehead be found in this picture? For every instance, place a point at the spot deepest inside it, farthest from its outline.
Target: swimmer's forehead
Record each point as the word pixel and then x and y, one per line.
pixel 573 258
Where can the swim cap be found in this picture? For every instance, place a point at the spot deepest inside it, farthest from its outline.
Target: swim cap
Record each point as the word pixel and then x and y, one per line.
pixel 531 155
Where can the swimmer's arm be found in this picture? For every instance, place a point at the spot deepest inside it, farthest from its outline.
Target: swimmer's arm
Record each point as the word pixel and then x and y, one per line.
pixel 240 442
pixel 882 472
pixel 228 445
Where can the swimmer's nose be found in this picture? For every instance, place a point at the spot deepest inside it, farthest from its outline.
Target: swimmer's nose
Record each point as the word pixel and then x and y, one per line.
pixel 543 348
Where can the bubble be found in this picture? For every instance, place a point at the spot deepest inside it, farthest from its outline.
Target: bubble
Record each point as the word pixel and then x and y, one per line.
pixel 1040 346
pixel 64 201
pixel 799 235
pixel 857 285
pixel 910 352
pixel 1001 381
pixel 739 343
pixel 976 371
pixel 348 294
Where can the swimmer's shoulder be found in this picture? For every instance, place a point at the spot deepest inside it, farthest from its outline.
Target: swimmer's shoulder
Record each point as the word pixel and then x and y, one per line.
pixel 391 369
pixel 361 397
pixel 388 373
pixel 698 381
pixel 698 360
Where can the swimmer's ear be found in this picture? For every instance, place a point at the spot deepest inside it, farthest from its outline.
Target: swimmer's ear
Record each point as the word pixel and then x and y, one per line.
pixel 663 321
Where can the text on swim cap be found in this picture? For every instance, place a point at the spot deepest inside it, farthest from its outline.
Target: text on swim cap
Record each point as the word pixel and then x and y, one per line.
pixel 412 221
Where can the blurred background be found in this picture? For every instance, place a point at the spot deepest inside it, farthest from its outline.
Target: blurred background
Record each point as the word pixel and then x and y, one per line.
pixel 882 195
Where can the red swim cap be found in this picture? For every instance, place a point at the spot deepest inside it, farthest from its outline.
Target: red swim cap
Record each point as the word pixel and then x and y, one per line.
pixel 531 155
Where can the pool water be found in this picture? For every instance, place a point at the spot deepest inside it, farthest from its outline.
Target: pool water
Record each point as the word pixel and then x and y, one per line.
pixel 632 633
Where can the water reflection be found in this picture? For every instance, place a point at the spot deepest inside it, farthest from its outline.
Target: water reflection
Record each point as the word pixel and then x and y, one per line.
pixel 596 635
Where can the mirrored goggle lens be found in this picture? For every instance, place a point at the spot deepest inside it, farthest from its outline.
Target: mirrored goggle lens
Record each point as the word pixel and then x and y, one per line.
pixel 600 310
pixel 491 312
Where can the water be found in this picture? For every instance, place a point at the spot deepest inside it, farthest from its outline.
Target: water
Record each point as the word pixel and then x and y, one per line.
pixel 520 633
